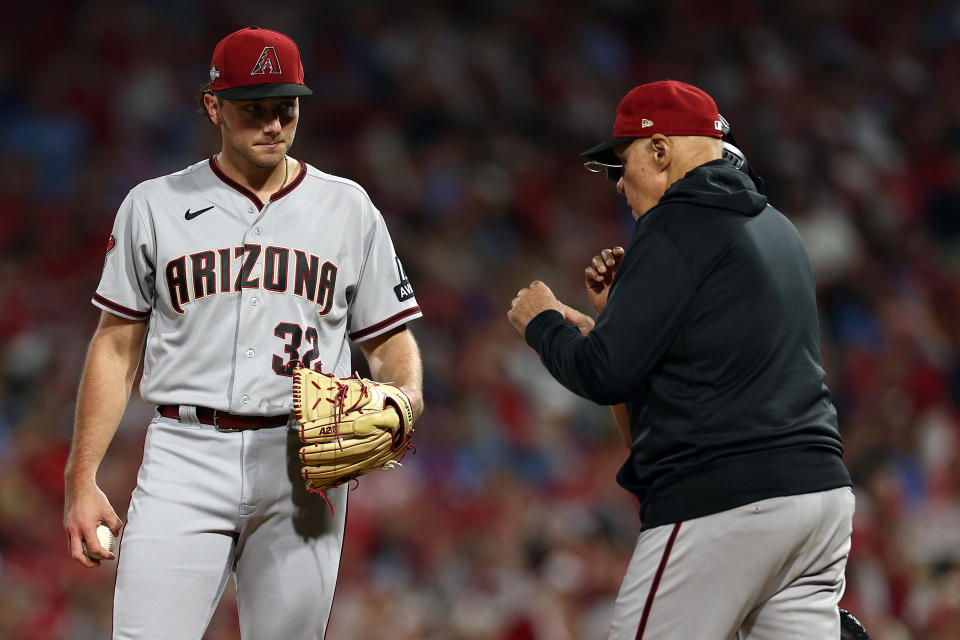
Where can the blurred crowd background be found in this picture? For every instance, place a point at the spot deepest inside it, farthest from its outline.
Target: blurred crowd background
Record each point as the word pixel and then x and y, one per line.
pixel 463 121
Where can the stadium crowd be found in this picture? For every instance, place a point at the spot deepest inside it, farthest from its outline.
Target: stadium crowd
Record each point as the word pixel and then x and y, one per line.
pixel 464 122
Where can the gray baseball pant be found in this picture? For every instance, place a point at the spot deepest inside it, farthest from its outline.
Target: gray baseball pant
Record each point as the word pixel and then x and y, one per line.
pixel 208 504
pixel 769 570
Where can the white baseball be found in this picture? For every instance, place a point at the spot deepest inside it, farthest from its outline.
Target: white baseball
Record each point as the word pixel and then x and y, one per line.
pixel 105 536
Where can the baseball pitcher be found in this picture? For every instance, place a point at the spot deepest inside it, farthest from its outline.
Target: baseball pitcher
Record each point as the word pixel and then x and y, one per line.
pixel 241 279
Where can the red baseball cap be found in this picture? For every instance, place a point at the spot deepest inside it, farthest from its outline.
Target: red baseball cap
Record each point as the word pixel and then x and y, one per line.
pixel 255 63
pixel 669 107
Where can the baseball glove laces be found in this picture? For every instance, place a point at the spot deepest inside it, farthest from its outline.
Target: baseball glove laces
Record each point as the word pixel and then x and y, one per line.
pixel 348 427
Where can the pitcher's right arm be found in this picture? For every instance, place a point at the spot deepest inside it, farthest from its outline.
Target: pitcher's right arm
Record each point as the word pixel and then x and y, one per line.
pixel 108 373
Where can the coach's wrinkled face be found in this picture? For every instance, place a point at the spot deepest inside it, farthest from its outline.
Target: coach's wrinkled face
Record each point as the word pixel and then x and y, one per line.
pixel 259 131
pixel 644 181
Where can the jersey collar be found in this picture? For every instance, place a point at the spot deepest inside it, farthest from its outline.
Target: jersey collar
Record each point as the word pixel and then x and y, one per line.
pixel 230 182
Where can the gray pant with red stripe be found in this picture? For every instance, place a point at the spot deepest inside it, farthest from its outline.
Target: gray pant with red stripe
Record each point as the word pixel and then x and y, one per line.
pixel 769 570
pixel 209 505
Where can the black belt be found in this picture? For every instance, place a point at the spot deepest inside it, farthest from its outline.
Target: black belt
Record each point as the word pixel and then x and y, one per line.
pixel 224 421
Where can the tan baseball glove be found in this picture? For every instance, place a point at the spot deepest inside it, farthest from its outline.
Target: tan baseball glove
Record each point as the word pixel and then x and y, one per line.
pixel 349 427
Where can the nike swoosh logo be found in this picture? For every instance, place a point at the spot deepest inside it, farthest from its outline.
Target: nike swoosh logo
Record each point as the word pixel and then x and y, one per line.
pixel 190 215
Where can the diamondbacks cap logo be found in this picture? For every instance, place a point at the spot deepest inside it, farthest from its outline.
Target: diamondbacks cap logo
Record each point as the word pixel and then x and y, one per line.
pixel 267 63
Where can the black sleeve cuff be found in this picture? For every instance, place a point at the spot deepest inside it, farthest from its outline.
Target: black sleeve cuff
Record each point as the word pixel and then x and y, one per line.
pixel 541 323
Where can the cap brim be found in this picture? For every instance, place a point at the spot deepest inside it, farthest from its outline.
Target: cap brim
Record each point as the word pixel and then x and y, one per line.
pixel 603 152
pixel 259 91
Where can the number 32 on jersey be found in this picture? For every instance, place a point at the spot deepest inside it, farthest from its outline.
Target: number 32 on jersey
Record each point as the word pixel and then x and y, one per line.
pixel 293 336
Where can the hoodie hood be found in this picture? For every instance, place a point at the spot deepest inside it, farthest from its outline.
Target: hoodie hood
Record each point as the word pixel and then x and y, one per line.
pixel 719 185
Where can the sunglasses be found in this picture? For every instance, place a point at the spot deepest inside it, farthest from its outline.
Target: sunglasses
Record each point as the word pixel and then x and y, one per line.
pixel 614 171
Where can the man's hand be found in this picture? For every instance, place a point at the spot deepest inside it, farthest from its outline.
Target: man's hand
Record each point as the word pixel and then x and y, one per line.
pixel 581 321
pixel 530 302
pixel 599 276
pixel 85 507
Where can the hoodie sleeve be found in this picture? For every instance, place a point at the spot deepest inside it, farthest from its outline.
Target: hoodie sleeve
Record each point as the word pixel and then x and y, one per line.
pixel 644 312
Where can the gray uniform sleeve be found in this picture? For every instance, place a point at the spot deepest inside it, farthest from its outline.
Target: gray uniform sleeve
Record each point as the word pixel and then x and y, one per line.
pixel 383 299
pixel 127 283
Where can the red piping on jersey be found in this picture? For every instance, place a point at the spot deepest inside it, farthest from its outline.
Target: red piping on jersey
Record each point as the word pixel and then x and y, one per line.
pixel 293 184
pixel 250 194
pixel 119 308
pixel 384 323
pixel 656 580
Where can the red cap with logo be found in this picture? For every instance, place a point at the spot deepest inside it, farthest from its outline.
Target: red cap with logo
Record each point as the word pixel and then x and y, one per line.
pixel 669 107
pixel 255 63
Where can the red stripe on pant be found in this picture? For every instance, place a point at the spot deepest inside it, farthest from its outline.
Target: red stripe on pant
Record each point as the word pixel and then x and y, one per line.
pixel 656 581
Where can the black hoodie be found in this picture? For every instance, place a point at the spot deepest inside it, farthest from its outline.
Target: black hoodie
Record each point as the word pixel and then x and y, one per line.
pixel 710 335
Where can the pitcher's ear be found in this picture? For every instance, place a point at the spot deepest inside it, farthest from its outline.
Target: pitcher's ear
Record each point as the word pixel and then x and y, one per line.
pixel 212 104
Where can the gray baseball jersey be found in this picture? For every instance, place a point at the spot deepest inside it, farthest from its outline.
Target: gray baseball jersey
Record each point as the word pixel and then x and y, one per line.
pixel 237 292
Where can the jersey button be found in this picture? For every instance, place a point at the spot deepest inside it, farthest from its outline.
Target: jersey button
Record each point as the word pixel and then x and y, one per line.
pixel 245 399
pixel 250 209
pixel 254 301
pixel 258 230
pixel 250 353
